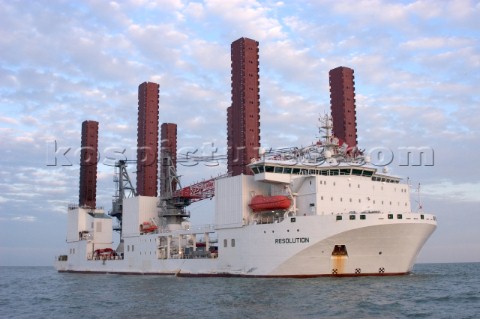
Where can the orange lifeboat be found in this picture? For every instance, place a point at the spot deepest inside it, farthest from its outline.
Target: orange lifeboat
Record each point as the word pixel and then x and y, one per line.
pixel 148 227
pixel 261 203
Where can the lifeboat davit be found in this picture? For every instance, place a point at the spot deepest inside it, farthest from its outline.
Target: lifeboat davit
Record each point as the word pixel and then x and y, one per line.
pixel 262 203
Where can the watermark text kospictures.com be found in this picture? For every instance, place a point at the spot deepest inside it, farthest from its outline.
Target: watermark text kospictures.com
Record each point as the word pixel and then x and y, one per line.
pixel 210 155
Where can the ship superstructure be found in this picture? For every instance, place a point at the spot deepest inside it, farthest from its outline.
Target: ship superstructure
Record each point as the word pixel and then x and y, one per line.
pixel 320 210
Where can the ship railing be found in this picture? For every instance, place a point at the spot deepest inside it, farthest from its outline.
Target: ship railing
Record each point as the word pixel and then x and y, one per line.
pixel 202 228
pixel 75 206
pixel 91 256
pixel 268 220
pixel 196 255
pixel 354 212
pixel 371 212
pixel 208 228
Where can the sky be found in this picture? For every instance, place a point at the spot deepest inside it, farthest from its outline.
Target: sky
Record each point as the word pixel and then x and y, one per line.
pixel 417 71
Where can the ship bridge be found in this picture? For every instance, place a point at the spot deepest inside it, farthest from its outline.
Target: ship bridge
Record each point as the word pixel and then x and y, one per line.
pixel 284 172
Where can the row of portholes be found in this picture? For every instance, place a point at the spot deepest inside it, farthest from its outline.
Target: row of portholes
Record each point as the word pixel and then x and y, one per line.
pixel 360 200
pixel 145 253
pixel 390 216
pixel 358 186
pixel 273 232
pixel 341 199
pixel 351 217
pixel 400 216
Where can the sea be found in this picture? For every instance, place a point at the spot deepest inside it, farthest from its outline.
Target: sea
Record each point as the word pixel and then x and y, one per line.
pixel 431 291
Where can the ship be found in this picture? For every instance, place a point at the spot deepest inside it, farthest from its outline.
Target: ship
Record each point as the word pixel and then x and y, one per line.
pixel 304 212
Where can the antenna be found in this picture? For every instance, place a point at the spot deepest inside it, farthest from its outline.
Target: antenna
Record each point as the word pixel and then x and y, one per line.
pixel 419 201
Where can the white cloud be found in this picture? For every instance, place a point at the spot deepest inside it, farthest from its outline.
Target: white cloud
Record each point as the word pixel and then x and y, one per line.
pixel 166 4
pixel 246 18
pixel 431 43
pixel 22 219
pixel 454 191
pixel 195 10
pixel 375 10
pixel 8 120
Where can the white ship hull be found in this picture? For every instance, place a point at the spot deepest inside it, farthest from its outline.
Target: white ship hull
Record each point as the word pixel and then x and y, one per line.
pixel 299 247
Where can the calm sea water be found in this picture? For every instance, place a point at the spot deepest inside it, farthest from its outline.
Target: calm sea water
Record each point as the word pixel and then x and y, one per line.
pixel 432 291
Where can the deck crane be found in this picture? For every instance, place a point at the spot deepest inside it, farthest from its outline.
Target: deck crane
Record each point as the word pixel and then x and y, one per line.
pixel 123 189
pixel 173 198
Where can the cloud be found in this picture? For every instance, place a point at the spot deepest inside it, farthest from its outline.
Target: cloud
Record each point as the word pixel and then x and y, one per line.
pixel 195 10
pixel 245 18
pixel 22 219
pixel 458 192
pixel 433 43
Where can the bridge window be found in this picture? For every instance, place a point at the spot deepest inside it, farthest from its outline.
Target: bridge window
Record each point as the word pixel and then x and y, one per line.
pixel 367 173
pixel 269 169
pixel 287 170
pixel 357 172
pixel 278 169
pixel 261 169
pixel 345 171
pixel 255 170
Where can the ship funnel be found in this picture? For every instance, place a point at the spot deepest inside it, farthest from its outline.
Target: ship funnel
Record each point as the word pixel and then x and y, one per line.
pixel 342 102
pixel 147 139
pixel 88 165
